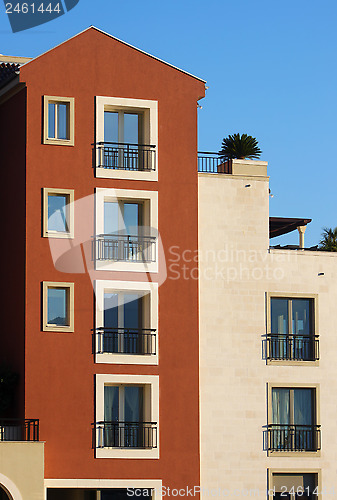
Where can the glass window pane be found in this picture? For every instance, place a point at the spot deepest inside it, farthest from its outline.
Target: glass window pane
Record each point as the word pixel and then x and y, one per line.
pixel 51 120
pixel 111 310
pixel 301 321
pixel 281 406
pixel 111 211
pixel 57 220
pixel 110 126
pixel 303 406
pixel 132 310
pixel 131 218
pixel 131 128
pixel 57 313
pixel 279 316
pixel 133 403
pixel 62 121
pixel 111 403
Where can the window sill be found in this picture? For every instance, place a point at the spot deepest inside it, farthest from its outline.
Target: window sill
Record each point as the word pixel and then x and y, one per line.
pixel 127 359
pixel 288 362
pixel 59 142
pixel 127 453
pixel 295 454
pixel 68 236
pixel 111 173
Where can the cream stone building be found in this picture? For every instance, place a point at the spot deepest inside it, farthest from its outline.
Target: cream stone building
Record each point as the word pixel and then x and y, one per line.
pixel 268 345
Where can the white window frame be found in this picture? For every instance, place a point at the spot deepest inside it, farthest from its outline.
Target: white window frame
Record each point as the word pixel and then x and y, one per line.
pixel 299 471
pixel 70 102
pixel 150 200
pixel 151 382
pixel 69 193
pixel 127 286
pixel 149 110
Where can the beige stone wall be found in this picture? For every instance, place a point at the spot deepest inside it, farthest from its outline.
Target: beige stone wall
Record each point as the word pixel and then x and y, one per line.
pixel 237 270
pixel 22 469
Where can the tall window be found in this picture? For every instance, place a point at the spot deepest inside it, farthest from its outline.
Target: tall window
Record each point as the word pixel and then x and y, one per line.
pixel 292 335
pixel 293 419
pixel 123 415
pixel 123 324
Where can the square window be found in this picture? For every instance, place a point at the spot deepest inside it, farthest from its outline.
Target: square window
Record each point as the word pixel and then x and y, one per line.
pixel 292 332
pixel 59 120
pixel 58 307
pixel 293 420
pixel 58 213
pixel 127 413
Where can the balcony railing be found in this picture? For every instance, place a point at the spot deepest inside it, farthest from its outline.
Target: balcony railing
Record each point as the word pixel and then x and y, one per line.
pixel 12 429
pixel 294 437
pixel 291 347
pixel 125 156
pixel 125 248
pixel 126 341
pixel 125 434
pixel 213 163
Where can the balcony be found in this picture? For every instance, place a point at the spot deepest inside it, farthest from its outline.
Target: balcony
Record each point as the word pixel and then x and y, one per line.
pixel 125 156
pixel 124 248
pixel 141 435
pixel 294 437
pixel 289 347
pixel 19 430
pixel 212 163
pixel 126 341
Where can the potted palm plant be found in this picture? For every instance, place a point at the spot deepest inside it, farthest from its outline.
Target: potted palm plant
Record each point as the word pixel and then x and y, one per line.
pixel 240 147
pixel 329 240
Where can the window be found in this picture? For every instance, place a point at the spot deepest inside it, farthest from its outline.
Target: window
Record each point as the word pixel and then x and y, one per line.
pixel 293 416
pixel 126 138
pixel 292 334
pixel 126 322
pixel 58 213
pixel 294 485
pixel 58 307
pixel 59 120
pixel 127 412
pixel 126 230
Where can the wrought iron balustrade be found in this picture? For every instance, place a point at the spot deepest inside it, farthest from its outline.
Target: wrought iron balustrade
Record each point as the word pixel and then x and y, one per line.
pixel 126 341
pixel 126 156
pixel 14 429
pixel 213 163
pixel 292 347
pixel 125 434
pixel 294 437
pixel 126 248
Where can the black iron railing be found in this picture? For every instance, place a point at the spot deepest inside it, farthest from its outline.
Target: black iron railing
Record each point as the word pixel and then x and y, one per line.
pixel 124 248
pixel 125 156
pixel 126 340
pixel 125 434
pixel 294 437
pixel 213 163
pixel 292 347
pixel 13 429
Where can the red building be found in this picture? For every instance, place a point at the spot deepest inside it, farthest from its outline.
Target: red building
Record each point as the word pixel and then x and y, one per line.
pixel 99 147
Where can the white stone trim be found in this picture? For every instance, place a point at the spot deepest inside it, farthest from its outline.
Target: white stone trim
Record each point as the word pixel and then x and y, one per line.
pixel 10 487
pixel 147 380
pixel 149 109
pixel 151 197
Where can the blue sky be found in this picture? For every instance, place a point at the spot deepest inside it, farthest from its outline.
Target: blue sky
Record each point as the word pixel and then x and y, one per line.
pixel 271 71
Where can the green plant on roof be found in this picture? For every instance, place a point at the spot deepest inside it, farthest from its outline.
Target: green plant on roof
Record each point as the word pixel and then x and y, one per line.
pixel 329 240
pixel 240 146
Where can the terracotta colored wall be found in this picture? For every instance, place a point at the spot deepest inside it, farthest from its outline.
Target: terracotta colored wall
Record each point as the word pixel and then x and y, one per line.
pixel 59 367
pixel 13 166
